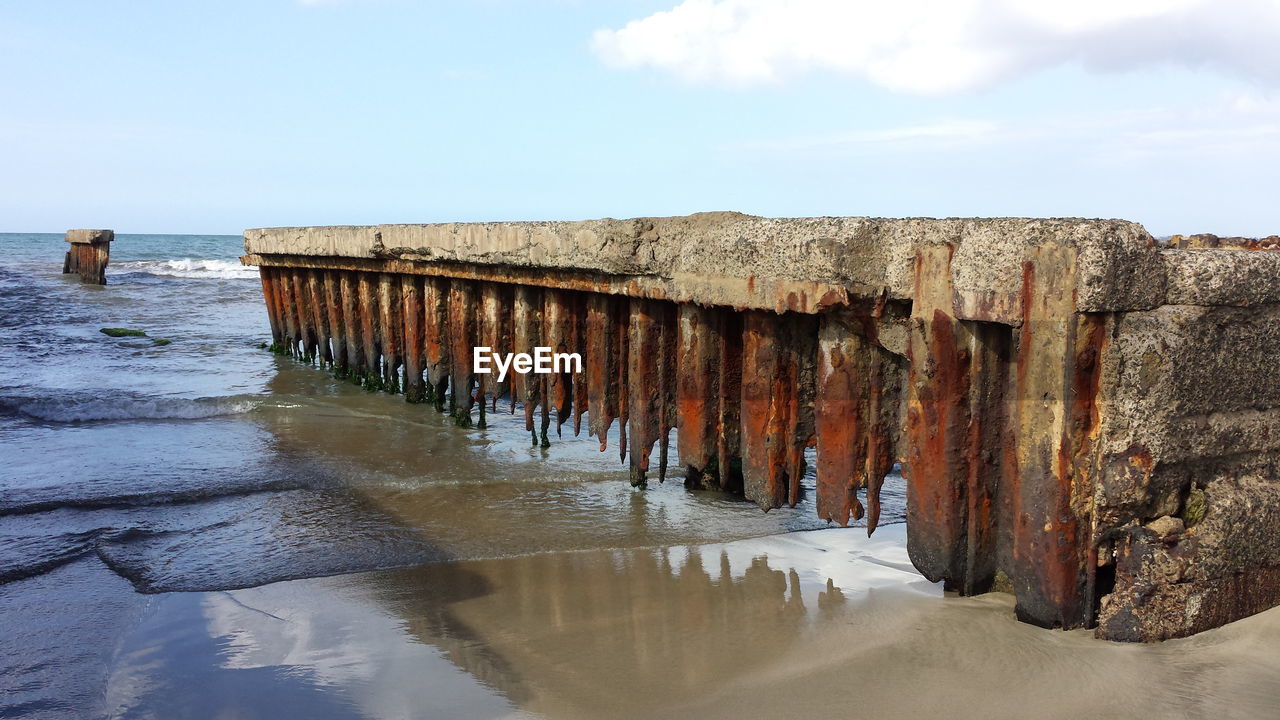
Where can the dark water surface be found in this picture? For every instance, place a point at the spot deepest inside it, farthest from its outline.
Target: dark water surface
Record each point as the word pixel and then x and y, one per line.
pixel 205 530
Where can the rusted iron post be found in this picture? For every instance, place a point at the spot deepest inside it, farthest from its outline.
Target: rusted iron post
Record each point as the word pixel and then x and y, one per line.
pixel 435 331
pixel 778 372
pixel 643 401
pixel 602 363
pixel 527 330
pixel 412 315
pixel 462 333
pixel 337 326
pixel 391 324
pixel 495 334
pixel 320 316
pixel 274 317
pixel 699 349
pixel 88 255
pixel 729 403
pixel 352 327
pixel 367 311
pixel 1057 381
pixel 580 379
pixel 558 329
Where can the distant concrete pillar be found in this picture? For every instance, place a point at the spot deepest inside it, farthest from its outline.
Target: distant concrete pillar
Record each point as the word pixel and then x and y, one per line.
pixel 88 254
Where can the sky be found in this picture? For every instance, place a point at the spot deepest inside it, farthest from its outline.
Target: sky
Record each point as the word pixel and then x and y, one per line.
pixel 214 116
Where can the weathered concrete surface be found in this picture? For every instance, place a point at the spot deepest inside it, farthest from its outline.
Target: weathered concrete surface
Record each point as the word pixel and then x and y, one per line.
pixel 1191 433
pixel 88 254
pixel 802 264
pixel 1207 241
pixel 1084 416
pixel 1215 277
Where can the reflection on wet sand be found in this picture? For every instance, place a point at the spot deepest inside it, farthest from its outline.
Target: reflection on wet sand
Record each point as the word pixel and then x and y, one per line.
pixel 795 625
pixel 484 494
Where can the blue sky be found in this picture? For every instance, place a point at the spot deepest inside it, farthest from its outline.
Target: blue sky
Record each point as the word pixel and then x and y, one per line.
pixel 175 116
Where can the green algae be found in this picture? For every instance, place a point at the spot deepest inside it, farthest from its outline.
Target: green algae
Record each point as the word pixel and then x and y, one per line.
pixel 1194 509
pixel 122 332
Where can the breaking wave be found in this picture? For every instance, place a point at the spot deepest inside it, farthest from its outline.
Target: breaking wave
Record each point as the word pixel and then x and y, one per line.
pixel 190 268
pixel 73 409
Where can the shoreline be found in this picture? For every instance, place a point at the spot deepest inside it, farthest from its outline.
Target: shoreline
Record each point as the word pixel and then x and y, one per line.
pixel 805 622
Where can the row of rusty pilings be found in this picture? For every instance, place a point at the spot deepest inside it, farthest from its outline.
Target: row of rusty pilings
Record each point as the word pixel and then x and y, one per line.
pixel 1018 369
pixel 746 391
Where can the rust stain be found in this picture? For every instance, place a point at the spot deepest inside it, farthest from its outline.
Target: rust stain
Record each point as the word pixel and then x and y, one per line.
pixel 1049 546
pixel 412 313
pixel 841 431
pixel 390 329
pixel 667 321
pixel 273 311
pixel 698 392
pixel 461 338
pixel 319 316
pixel 558 324
pixel 367 311
pixel 526 330
pixel 644 346
pixel 729 403
pixel 336 326
pixel 495 334
pixel 351 320
pixel 600 363
pixel 580 378
pixel 782 295
pixel 776 413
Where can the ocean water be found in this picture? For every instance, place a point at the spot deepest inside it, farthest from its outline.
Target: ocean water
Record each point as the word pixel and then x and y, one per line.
pixel 201 529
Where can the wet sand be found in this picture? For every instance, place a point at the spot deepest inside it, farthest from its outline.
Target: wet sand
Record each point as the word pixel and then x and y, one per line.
pixel 801 625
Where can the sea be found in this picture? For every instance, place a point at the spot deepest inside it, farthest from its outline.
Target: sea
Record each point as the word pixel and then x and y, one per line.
pixel 194 527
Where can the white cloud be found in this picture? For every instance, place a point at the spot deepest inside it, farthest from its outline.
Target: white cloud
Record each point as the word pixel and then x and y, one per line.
pixel 944 46
pixel 1236 127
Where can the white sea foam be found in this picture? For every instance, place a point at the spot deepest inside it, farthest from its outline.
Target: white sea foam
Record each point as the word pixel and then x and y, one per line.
pixel 73 409
pixel 189 268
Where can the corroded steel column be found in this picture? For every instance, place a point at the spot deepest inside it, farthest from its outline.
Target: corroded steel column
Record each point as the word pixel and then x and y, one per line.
pixel 856 409
pixel 558 333
pixel 367 312
pixel 602 364
pixel 698 362
pixel 644 404
pixel 435 340
pixel 274 317
pixel 352 327
pixel 527 329
pixel 778 369
pixel 462 332
pixel 337 327
pixel 937 423
pixel 391 326
pixel 307 330
pixel 88 255
pixel 319 316
pixel 495 334
pixel 412 315
pixel 288 308
pixel 1054 415
pixel 581 380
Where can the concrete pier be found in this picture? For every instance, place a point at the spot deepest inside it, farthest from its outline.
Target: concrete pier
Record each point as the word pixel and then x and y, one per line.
pixel 1075 406
pixel 88 255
